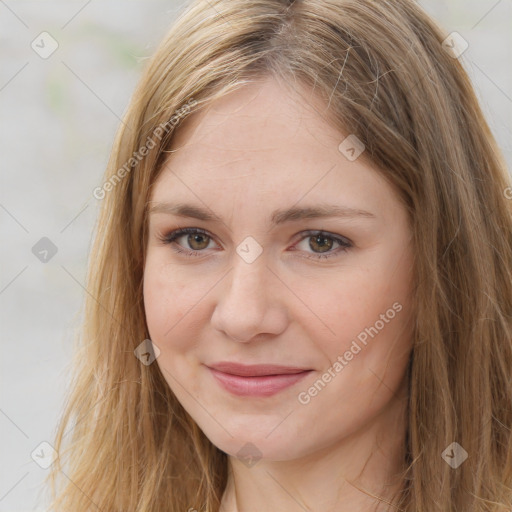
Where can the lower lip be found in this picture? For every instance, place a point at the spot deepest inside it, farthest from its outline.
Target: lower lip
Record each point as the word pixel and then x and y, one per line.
pixel 266 385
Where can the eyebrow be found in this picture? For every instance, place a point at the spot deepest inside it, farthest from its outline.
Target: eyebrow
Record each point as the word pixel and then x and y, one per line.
pixel 277 217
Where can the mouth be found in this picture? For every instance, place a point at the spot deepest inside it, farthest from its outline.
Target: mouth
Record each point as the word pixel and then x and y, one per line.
pixel 256 380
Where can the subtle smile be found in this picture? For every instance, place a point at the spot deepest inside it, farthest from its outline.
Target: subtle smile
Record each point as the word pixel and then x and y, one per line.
pixel 256 380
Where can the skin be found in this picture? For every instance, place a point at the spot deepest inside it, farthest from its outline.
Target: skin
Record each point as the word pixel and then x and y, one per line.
pixel 255 150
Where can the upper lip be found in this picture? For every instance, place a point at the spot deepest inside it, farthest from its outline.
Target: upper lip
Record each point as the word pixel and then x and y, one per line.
pixel 255 370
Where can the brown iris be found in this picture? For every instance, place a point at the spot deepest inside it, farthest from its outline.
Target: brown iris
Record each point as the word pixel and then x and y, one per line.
pixel 320 240
pixel 196 238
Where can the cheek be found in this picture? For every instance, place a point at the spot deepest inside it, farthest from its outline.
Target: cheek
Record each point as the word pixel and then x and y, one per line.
pixel 167 299
pixel 156 300
pixel 349 304
pixel 170 317
pixel 380 342
pixel 368 313
pixel 367 356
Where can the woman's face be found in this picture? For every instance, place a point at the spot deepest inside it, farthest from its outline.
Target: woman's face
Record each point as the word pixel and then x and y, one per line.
pixel 260 286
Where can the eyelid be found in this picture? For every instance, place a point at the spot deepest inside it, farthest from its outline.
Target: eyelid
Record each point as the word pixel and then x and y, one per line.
pixel 174 234
pixel 344 242
pixel 301 235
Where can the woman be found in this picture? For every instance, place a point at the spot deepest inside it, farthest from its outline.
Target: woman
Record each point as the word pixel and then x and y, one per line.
pixel 301 285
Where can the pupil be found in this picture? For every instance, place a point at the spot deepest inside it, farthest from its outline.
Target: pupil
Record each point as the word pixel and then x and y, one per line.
pixel 196 238
pixel 319 239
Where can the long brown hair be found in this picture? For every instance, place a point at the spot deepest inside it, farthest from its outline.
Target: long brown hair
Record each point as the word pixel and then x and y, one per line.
pixel 384 75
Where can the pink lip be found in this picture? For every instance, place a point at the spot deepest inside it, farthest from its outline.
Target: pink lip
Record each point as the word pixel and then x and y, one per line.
pixel 256 380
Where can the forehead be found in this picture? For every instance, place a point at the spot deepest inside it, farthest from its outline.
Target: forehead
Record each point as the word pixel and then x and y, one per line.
pixel 263 145
pixel 258 116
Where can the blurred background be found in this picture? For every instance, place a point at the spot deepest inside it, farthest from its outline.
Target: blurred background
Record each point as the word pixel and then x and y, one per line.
pixel 67 71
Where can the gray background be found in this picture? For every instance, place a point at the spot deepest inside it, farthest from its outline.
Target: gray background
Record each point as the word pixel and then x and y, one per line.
pixel 58 119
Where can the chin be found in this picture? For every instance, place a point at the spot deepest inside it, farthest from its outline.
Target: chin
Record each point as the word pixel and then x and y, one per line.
pixel 250 447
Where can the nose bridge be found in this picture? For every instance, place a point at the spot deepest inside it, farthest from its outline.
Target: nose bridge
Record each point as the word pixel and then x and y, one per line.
pixel 246 305
pixel 248 283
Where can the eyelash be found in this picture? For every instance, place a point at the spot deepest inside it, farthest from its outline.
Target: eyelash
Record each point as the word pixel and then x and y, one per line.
pixel 173 235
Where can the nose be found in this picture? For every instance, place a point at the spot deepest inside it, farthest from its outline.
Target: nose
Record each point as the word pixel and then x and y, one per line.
pixel 249 303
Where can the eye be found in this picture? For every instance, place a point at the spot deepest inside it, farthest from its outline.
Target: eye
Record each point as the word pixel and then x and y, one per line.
pixel 198 239
pixel 323 242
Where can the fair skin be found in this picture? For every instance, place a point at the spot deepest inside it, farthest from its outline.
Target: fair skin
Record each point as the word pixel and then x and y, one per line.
pixel 254 151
